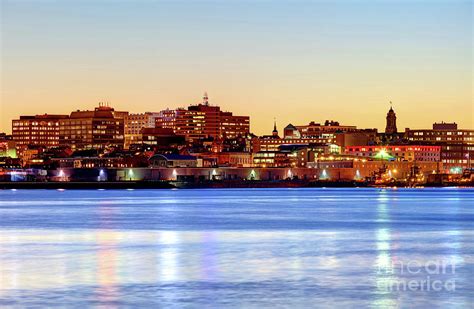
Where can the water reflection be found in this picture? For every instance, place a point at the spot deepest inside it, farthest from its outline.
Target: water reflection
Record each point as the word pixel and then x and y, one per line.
pixel 168 257
pixel 330 248
pixel 107 255
pixel 384 265
pixel 107 260
pixel 208 258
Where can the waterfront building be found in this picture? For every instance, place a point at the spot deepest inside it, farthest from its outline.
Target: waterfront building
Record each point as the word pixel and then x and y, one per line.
pixel 173 160
pixel 134 123
pixel 294 155
pixel 91 162
pixel 264 159
pixel 457 145
pixel 38 130
pixel 97 129
pixel 359 169
pixel 410 153
pixel 234 159
pixel 203 121
pixel 176 167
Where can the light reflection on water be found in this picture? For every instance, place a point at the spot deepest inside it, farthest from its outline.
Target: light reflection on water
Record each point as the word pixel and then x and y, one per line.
pixel 219 248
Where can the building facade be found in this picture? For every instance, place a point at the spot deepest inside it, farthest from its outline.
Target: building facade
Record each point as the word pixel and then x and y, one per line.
pixel 134 123
pixel 273 144
pixel 204 121
pixel 39 130
pixel 95 129
pixel 457 145
pixel 410 153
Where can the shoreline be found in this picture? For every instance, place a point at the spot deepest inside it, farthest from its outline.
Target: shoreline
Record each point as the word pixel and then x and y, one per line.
pixel 117 185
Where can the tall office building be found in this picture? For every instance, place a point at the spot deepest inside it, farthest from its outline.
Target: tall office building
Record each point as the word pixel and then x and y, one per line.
pixel 203 121
pixel 95 129
pixel 38 130
pixel 457 145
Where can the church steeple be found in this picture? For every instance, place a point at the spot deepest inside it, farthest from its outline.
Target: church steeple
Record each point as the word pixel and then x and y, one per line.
pixel 391 127
pixel 275 131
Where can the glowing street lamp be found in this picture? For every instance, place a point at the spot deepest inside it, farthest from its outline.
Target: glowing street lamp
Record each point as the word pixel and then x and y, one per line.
pixel 324 174
pixel 101 175
pixel 383 155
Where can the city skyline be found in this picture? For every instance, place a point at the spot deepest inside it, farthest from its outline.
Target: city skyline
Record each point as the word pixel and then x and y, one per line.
pixel 297 63
pixel 236 153
pixel 276 124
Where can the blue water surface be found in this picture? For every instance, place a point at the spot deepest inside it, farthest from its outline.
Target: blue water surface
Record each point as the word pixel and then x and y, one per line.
pixel 242 248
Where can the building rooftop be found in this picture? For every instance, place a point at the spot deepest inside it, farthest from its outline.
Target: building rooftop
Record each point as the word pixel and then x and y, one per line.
pixel 44 116
pixel 173 156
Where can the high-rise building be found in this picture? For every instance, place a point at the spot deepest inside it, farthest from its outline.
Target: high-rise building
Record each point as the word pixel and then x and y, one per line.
pixel 391 127
pixel 231 126
pixel 204 121
pixel 39 130
pixel 457 145
pixel 189 124
pixel 95 129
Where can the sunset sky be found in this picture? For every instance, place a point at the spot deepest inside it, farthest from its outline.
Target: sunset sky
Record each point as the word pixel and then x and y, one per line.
pixel 297 61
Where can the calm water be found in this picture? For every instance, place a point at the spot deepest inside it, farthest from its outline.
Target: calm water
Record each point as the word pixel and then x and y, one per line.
pixel 237 248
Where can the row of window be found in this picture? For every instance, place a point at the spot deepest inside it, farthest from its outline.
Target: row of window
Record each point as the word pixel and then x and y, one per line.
pixel 435 133
pixel 28 124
